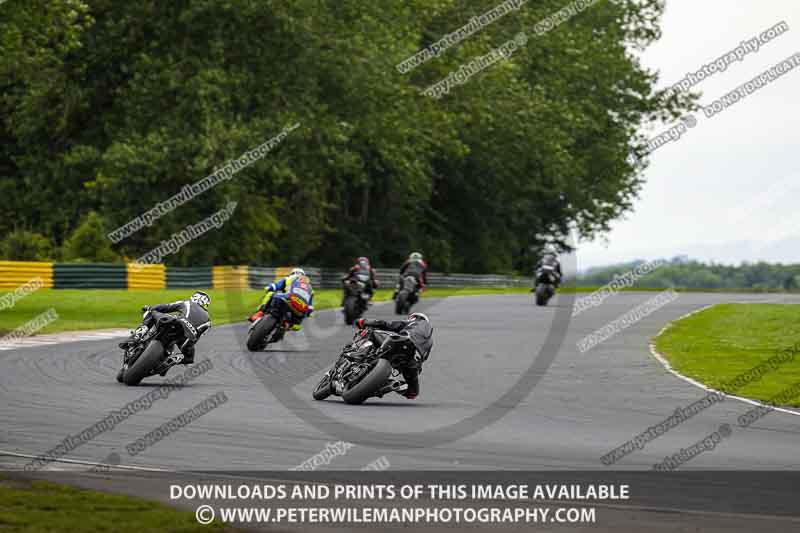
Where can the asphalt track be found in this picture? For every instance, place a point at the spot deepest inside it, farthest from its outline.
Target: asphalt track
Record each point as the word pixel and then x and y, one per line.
pixel 584 405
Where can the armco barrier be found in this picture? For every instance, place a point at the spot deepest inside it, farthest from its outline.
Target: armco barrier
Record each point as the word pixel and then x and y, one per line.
pixel 231 277
pixel 147 277
pixel 16 273
pixel 158 277
pixel 90 276
pixel 189 278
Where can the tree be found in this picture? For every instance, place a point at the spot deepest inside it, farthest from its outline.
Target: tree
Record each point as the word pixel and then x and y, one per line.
pixel 21 245
pixel 89 242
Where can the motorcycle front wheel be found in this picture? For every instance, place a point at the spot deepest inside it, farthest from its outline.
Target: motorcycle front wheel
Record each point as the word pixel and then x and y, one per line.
pixel 323 389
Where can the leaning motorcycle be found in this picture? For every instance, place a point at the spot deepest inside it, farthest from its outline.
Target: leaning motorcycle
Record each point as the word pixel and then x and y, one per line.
pixel 279 316
pixel 154 350
pixel 546 278
pixel 356 298
pixel 365 370
pixel 406 296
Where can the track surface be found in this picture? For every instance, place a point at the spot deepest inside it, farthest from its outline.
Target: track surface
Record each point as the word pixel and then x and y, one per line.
pixel 584 406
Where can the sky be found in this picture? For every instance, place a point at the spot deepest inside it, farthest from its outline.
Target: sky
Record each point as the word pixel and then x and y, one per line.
pixel 729 189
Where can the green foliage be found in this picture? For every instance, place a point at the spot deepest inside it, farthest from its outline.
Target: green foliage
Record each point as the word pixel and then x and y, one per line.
pixel 697 275
pixel 113 106
pixel 23 245
pixel 89 242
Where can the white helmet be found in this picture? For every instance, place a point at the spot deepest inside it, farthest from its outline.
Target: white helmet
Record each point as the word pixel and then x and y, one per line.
pixel 200 298
pixel 415 256
pixel 418 316
pixel 297 272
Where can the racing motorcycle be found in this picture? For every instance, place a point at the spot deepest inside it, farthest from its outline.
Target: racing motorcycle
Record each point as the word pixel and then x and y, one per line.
pixel 365 370
pixel 277 320
pixel 406 296
pixel 154 350
pixel 546 278
pixel 356 299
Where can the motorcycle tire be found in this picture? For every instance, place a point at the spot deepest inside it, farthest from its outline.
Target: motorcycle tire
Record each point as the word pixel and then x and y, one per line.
pixel 257 338
pixel 323 389
pixel 350 310
pixel 542 294
pixel 144 365
pixel 369 384
pixel 400 302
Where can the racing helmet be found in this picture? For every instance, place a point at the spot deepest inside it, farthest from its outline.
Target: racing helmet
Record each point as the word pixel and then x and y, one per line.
pixel 202 299
pixel 418 316
pixel 415 256
pixel 362 261
pixel 297 272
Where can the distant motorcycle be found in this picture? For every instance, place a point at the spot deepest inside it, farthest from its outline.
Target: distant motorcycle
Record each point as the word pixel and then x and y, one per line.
pixel 406 296
pixel 546 278
pixel 277 320
pixel 154 350
pixel 356 299
pixel 363 370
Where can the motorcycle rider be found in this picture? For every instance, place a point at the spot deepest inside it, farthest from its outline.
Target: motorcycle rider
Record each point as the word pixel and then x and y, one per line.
pixel 416 342
pixel 296 290
pixel 194 310
pixel 357 271
pixel 414 266
pixel 549 262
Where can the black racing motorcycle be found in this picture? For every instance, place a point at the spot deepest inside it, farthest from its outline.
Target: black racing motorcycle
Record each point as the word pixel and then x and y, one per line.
pixel 366 368
pixel 546 278
pixel 277 320
pixel 356 297
pixel 406 296
pixel 154 350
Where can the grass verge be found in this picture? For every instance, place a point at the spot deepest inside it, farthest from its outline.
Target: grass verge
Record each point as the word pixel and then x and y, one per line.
pixel 99 309
pixel 724 341
pixel 44 507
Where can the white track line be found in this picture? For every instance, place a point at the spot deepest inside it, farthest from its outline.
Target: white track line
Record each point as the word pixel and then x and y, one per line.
pixel 80 462
pixel 661 359
pixel 66 337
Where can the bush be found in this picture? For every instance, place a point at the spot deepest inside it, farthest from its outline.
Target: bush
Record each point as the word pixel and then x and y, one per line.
pixel 89 242
pixel 21 245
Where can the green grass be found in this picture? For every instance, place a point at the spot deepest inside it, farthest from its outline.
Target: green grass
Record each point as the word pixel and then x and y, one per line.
pixel 44 507
pixel 719 343
pixel 99 309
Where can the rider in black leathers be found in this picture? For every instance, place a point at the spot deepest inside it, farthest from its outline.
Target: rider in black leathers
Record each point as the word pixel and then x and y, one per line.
pixel 417 343
pixel 550 261
pixel 194 310
pixel 414 266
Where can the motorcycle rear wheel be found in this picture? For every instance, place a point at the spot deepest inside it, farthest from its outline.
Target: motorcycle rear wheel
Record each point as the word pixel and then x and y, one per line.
pixel 542 294
pixel 144 365
pixel 257 338
pixel 350 310
pixel 370 383
pixel 401 302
